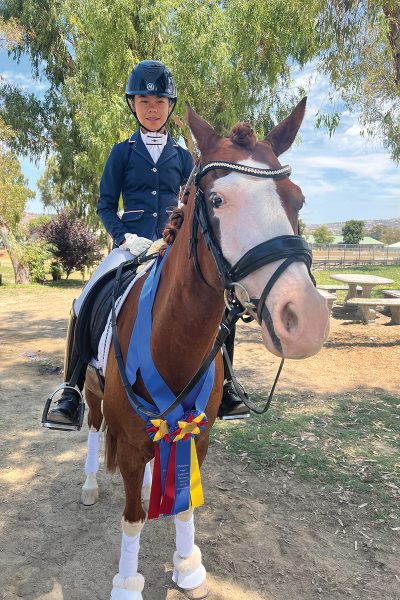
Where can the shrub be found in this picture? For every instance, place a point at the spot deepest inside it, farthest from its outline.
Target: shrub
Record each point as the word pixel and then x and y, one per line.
pixel 76 247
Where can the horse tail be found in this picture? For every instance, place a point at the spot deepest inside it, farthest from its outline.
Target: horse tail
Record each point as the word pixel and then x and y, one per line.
pixel 110 451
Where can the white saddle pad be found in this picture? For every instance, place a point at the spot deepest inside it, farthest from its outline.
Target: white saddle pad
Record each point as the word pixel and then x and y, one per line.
pixel 100 362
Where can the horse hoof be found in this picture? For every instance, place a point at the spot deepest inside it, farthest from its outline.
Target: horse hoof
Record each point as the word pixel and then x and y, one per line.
pixel 197 593
pixel 90 496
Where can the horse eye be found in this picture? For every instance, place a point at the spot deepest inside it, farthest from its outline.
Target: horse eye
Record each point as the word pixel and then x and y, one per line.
pixel 216 201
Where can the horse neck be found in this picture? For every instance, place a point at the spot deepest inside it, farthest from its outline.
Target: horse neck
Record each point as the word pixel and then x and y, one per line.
pixel 186 312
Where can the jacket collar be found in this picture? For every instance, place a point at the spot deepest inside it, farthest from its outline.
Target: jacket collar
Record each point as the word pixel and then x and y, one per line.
pixel 169 150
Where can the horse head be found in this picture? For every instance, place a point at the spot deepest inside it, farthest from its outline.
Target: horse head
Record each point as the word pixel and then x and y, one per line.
pixel 252 208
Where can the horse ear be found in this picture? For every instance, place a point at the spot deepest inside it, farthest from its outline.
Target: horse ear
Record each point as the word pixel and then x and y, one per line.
pixel 202 131
pixel 282 136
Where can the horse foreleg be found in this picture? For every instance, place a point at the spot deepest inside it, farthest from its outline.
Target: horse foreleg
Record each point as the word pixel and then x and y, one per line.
pixel 189 572
pixel 128 583
pixel 90 489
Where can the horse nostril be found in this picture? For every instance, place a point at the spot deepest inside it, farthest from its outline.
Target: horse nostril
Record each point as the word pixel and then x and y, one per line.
pixel 289 318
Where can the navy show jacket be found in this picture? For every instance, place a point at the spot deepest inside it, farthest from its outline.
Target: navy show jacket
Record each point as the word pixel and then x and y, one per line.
pixel 149 190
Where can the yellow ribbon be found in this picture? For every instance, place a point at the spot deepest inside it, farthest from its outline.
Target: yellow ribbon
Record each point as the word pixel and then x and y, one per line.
pixel 191 427
pixel 162 427
pixel 196 490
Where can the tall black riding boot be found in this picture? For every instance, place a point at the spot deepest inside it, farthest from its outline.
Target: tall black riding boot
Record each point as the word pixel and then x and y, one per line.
pixel 231 405
pixel 68 412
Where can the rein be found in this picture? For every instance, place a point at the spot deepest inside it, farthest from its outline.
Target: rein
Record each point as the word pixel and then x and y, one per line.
pixel 291 248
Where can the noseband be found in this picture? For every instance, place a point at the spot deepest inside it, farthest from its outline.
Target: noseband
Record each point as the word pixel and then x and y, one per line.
pixel 289 248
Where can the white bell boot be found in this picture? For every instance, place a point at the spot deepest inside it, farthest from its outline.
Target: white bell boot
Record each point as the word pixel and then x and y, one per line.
pixel 189 573
pixel 127 588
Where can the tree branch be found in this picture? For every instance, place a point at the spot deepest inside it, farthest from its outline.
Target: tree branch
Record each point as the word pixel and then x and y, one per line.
pixel 392 14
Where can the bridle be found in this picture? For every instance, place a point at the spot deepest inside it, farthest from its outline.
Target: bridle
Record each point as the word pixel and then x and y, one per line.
pixel 289 248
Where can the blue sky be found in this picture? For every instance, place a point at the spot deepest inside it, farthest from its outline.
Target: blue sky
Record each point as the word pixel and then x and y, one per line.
pixel 343 177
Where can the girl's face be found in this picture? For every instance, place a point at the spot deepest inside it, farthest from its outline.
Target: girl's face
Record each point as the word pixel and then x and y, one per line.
pixel 151 111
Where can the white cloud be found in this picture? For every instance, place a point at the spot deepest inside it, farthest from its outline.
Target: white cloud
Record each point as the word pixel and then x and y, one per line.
pixel 24 82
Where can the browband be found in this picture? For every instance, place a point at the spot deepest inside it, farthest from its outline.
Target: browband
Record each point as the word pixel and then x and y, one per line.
pixel 280 173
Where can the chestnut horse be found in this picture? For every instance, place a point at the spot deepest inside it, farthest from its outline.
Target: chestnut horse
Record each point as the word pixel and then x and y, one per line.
pixel 250 210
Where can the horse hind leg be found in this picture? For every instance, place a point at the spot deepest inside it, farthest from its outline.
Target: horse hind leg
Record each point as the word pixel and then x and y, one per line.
pixel 189 572
pixel 146 487
pixel 90 489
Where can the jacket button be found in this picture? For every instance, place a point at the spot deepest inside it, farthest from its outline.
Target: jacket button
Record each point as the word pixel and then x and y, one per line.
pixel 154 170
pixel 154 214
pixel 154 192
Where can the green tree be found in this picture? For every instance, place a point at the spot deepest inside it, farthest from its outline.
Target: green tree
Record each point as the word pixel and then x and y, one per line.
pixel 233 61
pixel 353 231
pixel 302 228
pixel 360 53
pixel 322 235
pixel 377 231
pixel 385 234
pixel 14 194
pixel 391 235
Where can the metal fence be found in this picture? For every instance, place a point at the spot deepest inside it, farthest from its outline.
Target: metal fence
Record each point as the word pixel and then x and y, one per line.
pixel 327 256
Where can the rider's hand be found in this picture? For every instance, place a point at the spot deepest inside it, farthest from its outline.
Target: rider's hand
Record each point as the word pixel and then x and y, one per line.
pixel 134 244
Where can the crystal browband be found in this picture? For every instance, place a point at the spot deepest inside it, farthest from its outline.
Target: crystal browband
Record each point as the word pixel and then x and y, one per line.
pixel 246 169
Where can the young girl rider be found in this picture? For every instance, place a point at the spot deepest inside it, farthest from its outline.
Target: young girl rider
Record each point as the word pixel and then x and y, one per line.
pixel 148 170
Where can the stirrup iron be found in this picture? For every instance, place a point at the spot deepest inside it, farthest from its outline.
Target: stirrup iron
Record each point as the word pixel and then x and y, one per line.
pixel 64 426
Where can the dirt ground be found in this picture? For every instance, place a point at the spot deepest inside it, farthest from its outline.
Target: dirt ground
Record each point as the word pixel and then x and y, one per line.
pixel 266 536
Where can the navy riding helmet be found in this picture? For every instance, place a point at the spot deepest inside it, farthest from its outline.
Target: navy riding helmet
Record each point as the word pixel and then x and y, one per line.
pixel 150 78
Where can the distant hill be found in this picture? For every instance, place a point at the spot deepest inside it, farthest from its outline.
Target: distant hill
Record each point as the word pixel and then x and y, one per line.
pixel 336 228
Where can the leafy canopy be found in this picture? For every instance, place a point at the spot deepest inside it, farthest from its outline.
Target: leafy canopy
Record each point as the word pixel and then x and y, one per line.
pixel 233 60
pixel 322 235
pixel 353 231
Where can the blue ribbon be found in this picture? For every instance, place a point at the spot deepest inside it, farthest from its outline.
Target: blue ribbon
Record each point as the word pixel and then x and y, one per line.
pixel 139 358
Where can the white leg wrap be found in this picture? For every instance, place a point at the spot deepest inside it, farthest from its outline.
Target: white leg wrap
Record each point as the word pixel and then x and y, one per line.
pixel 189 573
pixel 128 562
pixel 92 458
pixel 128 583
pixel 184 529
pixel 147 475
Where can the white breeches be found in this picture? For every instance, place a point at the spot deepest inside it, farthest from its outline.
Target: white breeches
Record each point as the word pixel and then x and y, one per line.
pixel 112 261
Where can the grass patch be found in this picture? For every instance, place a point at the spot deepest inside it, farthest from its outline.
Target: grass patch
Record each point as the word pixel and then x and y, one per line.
pixel 351 441
pixel 389 271
pixel 8 279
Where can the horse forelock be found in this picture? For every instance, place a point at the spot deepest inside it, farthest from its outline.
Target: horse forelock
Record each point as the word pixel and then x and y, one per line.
pixel 243 135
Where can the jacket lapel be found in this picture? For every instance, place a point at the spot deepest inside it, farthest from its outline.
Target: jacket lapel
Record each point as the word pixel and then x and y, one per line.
pixel 169 151
pixel 139 148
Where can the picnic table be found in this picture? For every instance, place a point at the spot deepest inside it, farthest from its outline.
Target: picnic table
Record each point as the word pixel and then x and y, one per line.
pixel 363 303
pixel 366 283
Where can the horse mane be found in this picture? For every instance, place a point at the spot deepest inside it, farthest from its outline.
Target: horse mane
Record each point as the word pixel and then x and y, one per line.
pixel 243 135
pixel 172 227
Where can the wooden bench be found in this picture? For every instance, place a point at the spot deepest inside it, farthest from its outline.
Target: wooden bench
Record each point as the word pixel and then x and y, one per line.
pixel 391 293
pixel 330 298
pixel 368 315
pixel 336 288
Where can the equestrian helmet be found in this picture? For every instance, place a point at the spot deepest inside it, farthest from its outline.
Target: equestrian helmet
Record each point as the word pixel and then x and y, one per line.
pixel 150 78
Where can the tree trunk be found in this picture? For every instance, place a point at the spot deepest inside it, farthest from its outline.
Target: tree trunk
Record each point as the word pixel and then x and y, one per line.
pixel 392 14
pixel 21 271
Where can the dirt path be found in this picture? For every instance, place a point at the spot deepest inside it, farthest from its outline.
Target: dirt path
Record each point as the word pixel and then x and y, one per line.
pixel 264 536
